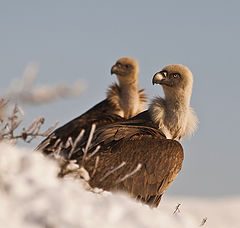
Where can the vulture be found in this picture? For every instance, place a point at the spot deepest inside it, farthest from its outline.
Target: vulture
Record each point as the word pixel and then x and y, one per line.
pixel 141 155
pixel 124 100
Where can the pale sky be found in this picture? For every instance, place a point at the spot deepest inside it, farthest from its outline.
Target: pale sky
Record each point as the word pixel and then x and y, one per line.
pixel 82 39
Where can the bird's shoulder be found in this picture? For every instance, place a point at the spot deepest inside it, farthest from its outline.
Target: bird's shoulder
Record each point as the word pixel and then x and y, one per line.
pixel 135 127
pixel 100 114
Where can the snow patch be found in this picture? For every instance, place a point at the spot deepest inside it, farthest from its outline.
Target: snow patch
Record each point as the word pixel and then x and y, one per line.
pixel 31 196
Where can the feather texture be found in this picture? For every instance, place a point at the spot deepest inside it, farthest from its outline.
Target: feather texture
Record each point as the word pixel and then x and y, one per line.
pixel 107 111
pixel 135 141
pixel 141 143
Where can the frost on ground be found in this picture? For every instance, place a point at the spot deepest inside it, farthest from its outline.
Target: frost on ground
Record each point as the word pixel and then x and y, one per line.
pixel 32 196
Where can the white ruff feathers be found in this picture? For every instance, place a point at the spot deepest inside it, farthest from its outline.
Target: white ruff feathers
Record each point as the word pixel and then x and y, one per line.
pixel 175 124
pixel 173 114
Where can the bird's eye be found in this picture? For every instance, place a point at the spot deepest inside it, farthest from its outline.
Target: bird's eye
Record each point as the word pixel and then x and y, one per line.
pixel 128 66
pixel 175 75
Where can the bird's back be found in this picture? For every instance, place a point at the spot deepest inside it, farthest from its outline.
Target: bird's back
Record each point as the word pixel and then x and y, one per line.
pixel 101 114
pixel 134 157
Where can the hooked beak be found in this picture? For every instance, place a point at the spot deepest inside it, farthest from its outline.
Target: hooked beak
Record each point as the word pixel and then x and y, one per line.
pixel 114 69
pixel 158 78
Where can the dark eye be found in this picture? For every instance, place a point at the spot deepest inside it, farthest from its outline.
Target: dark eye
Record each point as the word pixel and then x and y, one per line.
pixel 128 66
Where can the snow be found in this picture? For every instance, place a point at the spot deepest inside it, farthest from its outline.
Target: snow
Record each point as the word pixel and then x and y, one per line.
pixel 32 196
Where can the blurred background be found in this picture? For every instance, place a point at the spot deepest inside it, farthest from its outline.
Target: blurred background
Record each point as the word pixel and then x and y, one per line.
pixel 68 41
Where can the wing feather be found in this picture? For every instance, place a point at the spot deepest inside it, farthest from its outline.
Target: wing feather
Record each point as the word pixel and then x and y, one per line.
pixel 161 161
pixel 100 114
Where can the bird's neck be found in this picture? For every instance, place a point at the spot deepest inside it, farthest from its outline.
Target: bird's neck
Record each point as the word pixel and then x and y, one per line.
pixel 171 113
pixel 129 99
pixel 126 98
pixel 180 98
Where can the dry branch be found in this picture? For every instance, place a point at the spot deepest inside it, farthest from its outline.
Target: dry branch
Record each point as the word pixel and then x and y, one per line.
pixel 75 143
pixel 12 123
pixel 113 170
pixel 85 150
pixel 25 91
pixel 177 209
pixel 203 221
pixel 130 174
pixel 3 104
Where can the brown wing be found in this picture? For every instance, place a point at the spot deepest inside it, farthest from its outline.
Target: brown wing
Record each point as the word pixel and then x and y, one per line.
pixel 141 124
pixel 101 114
pixel 160 159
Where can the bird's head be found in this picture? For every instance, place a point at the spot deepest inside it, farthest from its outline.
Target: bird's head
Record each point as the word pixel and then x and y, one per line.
pixel 126 69
pixel 174 78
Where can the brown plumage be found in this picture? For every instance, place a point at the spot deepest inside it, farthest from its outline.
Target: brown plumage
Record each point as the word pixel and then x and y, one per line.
pixel 124 100
pixel 140 143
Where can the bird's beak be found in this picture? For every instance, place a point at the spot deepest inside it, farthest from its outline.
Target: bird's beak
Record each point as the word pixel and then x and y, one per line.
pixel 158 78
pixel 114 69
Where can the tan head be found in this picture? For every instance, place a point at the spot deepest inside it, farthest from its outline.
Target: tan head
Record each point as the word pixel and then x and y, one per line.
pixel 126 70
pixel 173 114
pixel 175 79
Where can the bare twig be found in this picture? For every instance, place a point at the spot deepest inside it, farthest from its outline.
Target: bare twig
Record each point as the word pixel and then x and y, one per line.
pixel 95 167
pixel 58 150
pixel 3 105
pixel 113 170
pixel 69 142
pixel 67 166
pixel 177 210
pixel 203 221
pixel 50 129
pixel 76 141
pixel 65 160
pixel 130 174
pixel 14 120
pixel 56 144
pixel 93 153
pixel 85 150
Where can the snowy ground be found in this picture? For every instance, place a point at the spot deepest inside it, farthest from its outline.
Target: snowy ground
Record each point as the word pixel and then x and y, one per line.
pixel 32 196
